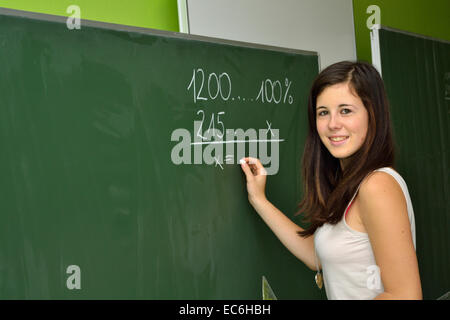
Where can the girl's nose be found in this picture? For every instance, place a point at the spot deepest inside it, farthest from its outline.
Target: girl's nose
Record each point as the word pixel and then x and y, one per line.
pixel 334 122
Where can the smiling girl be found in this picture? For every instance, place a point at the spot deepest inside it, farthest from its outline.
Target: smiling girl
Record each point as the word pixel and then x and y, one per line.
pixel 361 232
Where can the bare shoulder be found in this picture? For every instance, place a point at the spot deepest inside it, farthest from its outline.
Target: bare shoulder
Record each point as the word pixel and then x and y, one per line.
pixel 380 192
pixel 379 181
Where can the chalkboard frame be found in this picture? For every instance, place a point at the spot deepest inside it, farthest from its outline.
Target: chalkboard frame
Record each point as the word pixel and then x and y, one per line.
pixel 375 42
pixel 408 33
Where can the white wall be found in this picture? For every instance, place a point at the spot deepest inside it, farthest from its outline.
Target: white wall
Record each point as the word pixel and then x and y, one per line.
pixel 324 26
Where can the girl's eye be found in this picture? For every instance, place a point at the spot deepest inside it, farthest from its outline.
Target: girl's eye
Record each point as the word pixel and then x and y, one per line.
pixel 346 111
pixel 322 113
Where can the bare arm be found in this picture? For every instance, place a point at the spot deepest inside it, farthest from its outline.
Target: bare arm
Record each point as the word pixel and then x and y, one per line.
pixel 384 215
pixel 283 227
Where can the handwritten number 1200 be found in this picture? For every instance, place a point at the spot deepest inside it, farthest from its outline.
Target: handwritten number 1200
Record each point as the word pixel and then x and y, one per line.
pixel 215 86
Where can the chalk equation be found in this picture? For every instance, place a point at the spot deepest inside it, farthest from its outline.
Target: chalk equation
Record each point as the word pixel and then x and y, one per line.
pixel 218 86
pixel 211 142
pixel 227 148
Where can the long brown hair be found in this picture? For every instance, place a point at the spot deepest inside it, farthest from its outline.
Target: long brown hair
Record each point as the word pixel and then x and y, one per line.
pixel 328 188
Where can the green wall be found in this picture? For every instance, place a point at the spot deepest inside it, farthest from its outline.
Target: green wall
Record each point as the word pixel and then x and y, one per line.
pixel 156 14
pixel 430 18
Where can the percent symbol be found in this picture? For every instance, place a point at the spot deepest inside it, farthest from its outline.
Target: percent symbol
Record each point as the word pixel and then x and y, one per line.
pixel 288 83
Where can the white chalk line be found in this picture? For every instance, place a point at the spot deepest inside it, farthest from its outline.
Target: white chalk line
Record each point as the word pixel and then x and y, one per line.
pixel 236 141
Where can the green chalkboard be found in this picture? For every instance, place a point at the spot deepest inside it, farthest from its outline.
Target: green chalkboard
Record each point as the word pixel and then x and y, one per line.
pixel 119 162
pixel 416 72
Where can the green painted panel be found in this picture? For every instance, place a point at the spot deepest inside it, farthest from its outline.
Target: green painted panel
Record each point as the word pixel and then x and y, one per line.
pixel 156 14
pixel 88 180
pixel 416 72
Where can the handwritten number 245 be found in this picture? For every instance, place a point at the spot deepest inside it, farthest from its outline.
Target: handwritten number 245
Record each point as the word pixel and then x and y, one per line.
pixel 211 127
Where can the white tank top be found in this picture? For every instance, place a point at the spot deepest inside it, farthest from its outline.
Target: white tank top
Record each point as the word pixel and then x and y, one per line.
pixel 348 263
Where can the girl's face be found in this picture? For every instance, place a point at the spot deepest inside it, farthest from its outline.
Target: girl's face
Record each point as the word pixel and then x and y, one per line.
pixel 341 120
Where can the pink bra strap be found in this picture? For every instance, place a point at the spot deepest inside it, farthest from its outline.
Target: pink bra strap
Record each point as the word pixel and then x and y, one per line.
pixel 348 208
pixel 354 196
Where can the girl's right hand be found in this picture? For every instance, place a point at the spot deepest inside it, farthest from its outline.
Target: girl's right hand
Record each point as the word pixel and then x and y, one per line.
pixel 256 179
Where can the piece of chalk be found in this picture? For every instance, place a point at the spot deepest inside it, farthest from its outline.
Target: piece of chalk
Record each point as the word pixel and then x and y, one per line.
pixel 242 161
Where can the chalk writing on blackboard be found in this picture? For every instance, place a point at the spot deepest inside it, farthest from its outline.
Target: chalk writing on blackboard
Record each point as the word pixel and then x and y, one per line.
pixel 211 142
pixel 195 150
pixel 218 86
pixel 272 91
pixel 212 123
